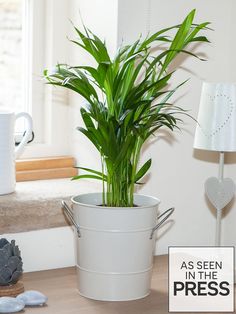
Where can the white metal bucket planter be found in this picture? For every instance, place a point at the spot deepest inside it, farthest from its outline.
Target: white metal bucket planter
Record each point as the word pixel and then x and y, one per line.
pixel 114 246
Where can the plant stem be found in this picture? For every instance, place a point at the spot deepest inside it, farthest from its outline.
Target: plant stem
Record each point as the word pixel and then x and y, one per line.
pixel 136 156
pixel 103 182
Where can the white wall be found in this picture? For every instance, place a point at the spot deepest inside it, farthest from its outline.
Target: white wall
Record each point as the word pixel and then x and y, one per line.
pixel 178 173
pixel 100 16
pixel 45 249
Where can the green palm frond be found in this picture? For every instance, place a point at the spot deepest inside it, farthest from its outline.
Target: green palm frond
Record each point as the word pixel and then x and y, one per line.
pixel 133 100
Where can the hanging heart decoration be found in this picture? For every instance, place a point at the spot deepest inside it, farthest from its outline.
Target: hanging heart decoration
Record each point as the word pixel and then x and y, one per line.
pixel 219 193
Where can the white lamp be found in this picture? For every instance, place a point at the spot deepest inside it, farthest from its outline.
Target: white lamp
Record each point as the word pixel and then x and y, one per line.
pixel 216 131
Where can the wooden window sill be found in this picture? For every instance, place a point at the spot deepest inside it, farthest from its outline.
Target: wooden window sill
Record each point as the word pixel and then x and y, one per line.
pixel 45 168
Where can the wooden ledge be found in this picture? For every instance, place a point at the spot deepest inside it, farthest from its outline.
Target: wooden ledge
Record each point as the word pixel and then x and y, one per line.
pixel 37 204
pixel 45 168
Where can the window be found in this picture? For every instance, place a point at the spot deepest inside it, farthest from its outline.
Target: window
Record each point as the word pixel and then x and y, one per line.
pixel 11 54
pixel 18 78
pixel 33 37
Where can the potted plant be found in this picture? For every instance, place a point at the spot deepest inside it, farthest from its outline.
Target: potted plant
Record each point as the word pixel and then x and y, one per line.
pixel 128 100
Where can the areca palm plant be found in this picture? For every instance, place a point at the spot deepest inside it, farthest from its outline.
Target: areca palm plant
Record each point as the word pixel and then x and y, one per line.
pixel 128 100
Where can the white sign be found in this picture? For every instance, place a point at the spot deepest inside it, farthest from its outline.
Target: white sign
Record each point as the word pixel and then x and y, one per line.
pixel 201 279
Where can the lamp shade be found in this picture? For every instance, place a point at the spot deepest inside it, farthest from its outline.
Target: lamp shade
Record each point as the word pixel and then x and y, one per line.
pixel 216 128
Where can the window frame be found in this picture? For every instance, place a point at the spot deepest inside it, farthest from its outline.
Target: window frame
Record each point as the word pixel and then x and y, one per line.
pixel 33 91
pixel 44 45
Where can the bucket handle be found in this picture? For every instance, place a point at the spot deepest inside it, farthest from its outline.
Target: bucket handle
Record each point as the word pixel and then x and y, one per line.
pixel 69 213
pixel 167 214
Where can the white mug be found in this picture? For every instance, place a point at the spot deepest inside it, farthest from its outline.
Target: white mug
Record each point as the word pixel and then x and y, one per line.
pixel 8 152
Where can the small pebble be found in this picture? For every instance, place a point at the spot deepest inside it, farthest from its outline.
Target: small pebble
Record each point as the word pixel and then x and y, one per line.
pixel 32 298
pixel 10 305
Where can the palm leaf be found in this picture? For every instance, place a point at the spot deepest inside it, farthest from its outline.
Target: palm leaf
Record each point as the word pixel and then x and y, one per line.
pixel 128 100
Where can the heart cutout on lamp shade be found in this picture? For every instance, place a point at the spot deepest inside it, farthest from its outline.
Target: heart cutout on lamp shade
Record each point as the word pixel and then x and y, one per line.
pixel 213 103
pixel 219 193
pixel 216 128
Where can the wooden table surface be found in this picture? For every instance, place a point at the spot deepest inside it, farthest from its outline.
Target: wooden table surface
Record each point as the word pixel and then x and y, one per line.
pixel 63 297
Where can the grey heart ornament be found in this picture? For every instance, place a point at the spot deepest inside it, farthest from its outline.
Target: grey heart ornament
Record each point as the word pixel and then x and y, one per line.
pixel 219 193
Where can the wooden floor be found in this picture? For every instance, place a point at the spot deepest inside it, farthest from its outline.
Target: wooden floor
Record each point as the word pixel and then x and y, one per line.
pixel 63 297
